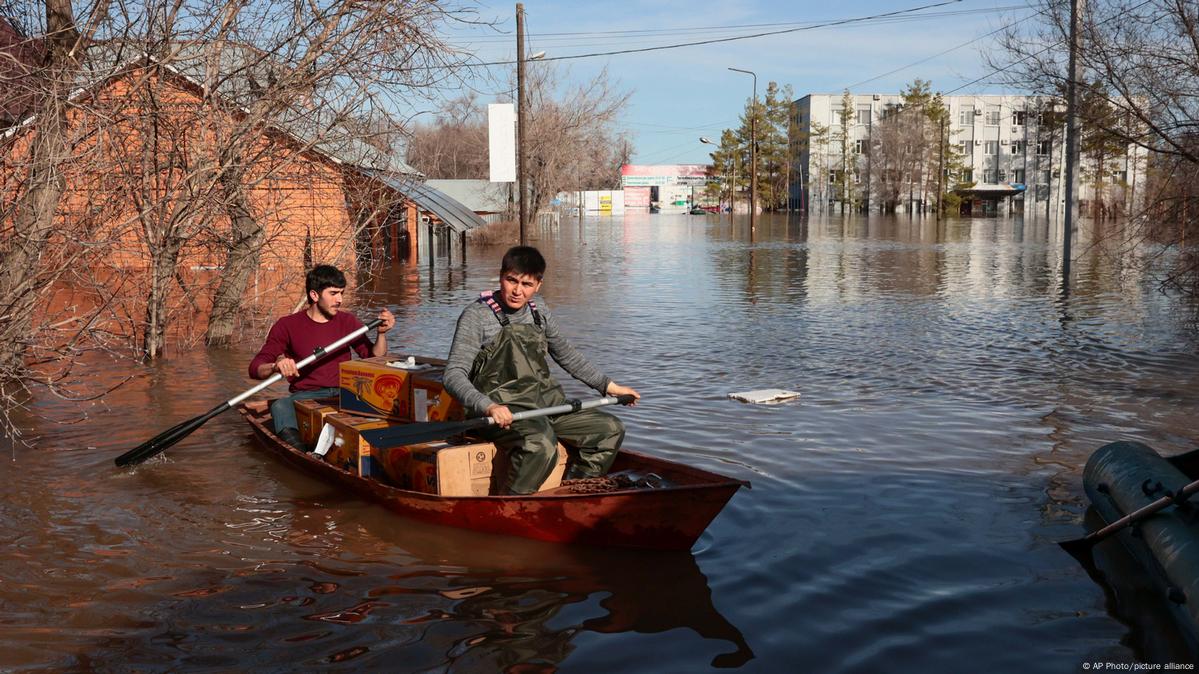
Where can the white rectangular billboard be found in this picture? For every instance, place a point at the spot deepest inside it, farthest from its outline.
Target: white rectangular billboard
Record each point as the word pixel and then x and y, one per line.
pixel 501 142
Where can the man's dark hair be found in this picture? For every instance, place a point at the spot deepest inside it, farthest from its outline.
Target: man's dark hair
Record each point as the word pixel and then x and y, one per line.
pixel 523 260
pixel 323 276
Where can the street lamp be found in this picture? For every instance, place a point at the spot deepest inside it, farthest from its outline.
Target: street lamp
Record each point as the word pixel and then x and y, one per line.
pixel 733 184
pixel 523 200
pixel 753 152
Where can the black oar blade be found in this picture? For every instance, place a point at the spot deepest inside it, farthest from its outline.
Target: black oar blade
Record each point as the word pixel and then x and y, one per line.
pixel 414 434
pixel 1080 549
pixel 158 443
pixel 161 442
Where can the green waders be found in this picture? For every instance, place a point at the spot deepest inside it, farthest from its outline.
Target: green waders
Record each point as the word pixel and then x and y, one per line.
pixel 512 371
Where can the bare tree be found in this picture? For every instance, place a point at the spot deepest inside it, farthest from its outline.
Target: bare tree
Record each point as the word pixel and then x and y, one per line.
pixel 848 154
pixel 34 183
pixel 572 140
pixel 572 143
pixel 455 144
pixel 154 136
pixel 1141 57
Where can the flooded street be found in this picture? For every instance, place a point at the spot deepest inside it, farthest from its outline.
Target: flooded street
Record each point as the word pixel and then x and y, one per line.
pixel 903 514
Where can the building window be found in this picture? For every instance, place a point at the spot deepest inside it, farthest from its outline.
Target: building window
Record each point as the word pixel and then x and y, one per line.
pixel 1002 175
pixel 1043 177
pixel 991 147
pixel 1122 176
pixel 1018 176
pixel 966 115
pixel 992 115
pixel 991 176
pixel 1017 147
pixel 859 146
pixel 837 115
pixel 1018 117
pixel 834 177
pixel 967 175
pixel 1045 147
pixel 964 148
pixel 864 116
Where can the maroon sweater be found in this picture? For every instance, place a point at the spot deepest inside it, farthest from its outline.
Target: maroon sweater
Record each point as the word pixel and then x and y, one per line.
pixel 298 336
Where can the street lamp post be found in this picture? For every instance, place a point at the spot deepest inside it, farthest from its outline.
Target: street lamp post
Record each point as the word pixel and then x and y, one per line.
pixel 753 153
pixel 733 184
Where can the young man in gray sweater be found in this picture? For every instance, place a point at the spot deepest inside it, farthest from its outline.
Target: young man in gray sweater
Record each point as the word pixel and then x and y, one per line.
pixel 497 365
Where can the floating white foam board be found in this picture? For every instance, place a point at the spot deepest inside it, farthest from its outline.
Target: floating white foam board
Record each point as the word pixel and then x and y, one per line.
pixel 766 396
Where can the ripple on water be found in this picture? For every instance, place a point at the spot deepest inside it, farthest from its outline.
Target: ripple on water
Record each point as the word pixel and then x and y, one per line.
pixel 901 517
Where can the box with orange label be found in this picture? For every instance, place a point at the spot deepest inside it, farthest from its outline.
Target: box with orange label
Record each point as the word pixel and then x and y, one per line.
pixel 430 400
pixel 310 416
pixel 373 388
pixel 347 449
pixel 475 469
pixel 439 467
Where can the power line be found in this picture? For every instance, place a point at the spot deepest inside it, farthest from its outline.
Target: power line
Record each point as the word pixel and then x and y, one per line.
pixel 573 37
pixel 941 53
pixel 839 22
pixel 1051 45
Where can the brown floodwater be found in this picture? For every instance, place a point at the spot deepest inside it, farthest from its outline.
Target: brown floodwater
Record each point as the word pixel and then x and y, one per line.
pixel 903 515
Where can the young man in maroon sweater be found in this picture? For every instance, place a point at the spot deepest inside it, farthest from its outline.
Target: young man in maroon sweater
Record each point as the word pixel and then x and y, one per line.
pixel 296 336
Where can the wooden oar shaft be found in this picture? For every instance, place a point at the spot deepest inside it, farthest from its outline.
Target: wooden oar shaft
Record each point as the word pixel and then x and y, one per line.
pixel 1141 513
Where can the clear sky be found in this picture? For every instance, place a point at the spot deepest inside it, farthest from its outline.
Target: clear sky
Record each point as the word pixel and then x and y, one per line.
pixel 681 94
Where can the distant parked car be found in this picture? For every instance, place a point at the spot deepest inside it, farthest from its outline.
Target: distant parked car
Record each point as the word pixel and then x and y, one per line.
pixel 698 210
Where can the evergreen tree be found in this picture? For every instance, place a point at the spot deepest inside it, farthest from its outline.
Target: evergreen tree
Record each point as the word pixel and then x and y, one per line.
pixel 770 117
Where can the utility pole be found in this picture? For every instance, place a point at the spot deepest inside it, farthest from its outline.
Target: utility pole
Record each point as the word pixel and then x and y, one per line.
pixel 521 157
pixel 941 174
pixel 1073 141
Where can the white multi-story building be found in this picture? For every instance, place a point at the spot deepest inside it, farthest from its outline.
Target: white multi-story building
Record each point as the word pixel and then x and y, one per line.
pixel 1011 150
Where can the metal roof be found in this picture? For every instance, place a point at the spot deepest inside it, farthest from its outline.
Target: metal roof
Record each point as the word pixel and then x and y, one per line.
pixel 991 190
pixel 456 216
pixel 480 196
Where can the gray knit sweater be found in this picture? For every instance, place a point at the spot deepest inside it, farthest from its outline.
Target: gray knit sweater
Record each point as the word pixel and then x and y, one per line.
pixel 478 325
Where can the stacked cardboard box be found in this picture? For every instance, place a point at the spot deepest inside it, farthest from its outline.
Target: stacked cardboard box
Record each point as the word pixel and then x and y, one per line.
pixel 389 387
pixel 310 415
pixel 376 391
pixel 476 469
pixel 348 450
pixel 430 400
pixel 373 388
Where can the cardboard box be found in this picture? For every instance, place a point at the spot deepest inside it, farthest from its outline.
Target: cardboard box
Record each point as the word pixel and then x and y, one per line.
pixel 310 415
pixel 430 401
pixel 453 470
pixel 439 468
pixel 349 451
pixel 373 388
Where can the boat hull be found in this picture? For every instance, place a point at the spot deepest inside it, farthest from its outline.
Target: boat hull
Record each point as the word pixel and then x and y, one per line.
pixel 1122 477
pixel 667 518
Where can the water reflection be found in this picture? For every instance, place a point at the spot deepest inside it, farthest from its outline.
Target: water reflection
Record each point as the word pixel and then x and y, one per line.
pixel 904 509
pixel 379 592
pixel 528 601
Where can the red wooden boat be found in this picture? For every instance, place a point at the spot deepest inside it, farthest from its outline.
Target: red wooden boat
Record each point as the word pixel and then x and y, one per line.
pixel 670 517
